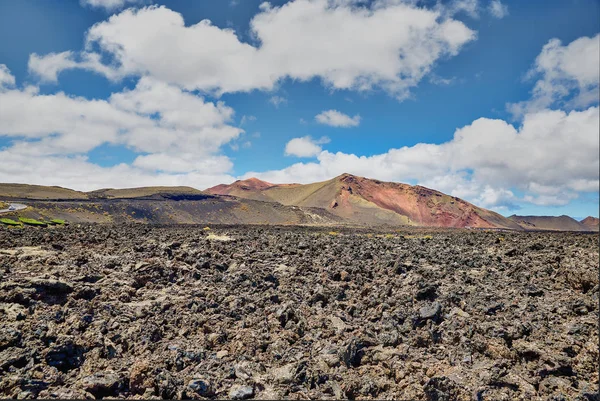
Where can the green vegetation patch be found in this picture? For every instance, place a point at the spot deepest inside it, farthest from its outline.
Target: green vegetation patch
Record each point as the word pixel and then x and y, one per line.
pixel 9 222
pixel 57 222
pixel 32 222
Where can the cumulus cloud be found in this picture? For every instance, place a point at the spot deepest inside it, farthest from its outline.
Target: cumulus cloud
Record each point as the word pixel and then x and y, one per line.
pixel 497 9
pixel 79 173
pixel 110 5
pixel 568 76
pixel 335 118
pixel 388 45
pixel 47 67
pixel 6 78
pixel 305 146
pixel 153 117
pixel 183 163
pixel 175 130
pixel 483 161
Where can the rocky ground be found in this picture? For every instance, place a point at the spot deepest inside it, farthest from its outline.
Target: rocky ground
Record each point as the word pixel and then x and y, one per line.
pixel 135 311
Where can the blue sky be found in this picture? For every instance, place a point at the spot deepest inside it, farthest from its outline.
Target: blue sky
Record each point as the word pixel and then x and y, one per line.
pixel 495 102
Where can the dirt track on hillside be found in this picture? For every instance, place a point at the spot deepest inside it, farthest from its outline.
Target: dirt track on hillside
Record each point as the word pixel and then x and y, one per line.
pixel 255 312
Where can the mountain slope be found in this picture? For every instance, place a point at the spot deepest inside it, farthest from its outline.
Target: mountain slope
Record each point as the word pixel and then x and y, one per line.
pixel 367 201
pixel 591 223
pixel 554 223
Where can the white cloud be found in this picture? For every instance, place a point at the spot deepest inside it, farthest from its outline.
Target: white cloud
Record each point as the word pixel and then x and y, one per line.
pixel 305 146
pixel 388 45
pixel 568 76
pixel 560 199
pixel 335 118
pixel 186 123
pixel 441 81
pixel 469 7
pixel 78 173
pixel 6 78
pixel 153 117
pixel 47 67
pixel 497 9
pixel 177 132
pixel 183 163
pixel 110 5
pixel 246 119
pixel 484 160
pixel 277 101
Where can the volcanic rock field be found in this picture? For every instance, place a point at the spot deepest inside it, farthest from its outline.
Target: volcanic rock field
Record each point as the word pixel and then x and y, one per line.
pixel 242 312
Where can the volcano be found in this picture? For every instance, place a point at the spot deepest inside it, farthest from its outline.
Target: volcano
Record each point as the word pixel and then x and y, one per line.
pixel 372 202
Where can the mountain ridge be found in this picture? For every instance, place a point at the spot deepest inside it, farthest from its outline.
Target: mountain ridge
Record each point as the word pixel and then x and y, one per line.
pixel 372 201
pixel 345 199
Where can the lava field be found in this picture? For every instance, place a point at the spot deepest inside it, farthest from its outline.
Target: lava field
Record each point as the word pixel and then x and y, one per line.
pixel 242 312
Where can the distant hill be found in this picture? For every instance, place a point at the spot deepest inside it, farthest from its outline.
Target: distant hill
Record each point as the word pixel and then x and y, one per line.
pixel 553 223
pixel 591 223
pixel 40 192
pixel 25 191
pixel 372 202
pixel 111 193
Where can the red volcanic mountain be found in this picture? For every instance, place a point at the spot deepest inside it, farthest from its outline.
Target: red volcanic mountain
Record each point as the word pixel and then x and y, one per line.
pixel 251 184
pixel 373 202
pixel 252 188
pixel 591 223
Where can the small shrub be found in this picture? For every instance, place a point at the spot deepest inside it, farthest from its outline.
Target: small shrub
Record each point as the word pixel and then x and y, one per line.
pixel 32 222
pixel 10 222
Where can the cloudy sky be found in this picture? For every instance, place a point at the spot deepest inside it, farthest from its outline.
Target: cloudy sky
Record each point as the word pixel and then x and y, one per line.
pixel 492 101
